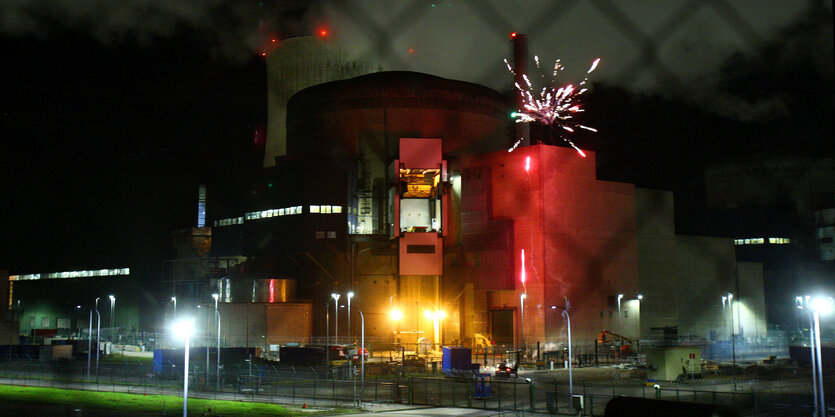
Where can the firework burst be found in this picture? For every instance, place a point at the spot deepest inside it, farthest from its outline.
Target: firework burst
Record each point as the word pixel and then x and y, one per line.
pixel 552 105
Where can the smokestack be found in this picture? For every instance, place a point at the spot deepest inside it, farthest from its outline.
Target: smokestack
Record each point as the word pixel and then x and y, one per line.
pixel 520 67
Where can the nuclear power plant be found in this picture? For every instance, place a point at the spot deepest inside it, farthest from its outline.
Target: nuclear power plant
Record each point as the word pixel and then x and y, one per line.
pixel 407 198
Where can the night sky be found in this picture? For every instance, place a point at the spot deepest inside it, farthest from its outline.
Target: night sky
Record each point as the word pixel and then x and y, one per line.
pixel 113 113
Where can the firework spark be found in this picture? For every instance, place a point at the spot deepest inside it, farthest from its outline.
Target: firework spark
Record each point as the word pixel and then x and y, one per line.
pixel 552 105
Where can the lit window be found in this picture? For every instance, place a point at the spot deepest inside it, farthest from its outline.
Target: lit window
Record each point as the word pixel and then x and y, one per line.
pixel 298 209
pixel 331 235
pixel 281 212
pixel 320 235
pixel 326 209
pixel 336 209
pixel 314 209
pixel 291 210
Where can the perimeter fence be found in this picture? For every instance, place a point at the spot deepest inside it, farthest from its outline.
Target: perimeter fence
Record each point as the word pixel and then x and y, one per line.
pixel 342 386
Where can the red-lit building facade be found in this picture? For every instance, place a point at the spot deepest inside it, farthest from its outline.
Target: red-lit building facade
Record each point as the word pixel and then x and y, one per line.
pixel 399 187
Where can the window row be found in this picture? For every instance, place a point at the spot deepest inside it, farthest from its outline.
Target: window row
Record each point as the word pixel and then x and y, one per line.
pixel 265 214
pixel 228 222
pixel 287 211
pixel 325 209
pixel 762 240
pixel 72 274
pixel 321 234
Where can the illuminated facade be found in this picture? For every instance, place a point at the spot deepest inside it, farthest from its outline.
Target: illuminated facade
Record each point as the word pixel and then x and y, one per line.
pixel 399 187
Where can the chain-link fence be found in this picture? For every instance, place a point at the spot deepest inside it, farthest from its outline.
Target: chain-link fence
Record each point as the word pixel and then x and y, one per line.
pixel 343 385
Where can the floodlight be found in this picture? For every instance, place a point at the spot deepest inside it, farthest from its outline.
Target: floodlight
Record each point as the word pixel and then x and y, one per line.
pixel 822 305
pixel 335 296
pixel 350 295
pixel 396 314
pixel 427 314
pixel 183 327
pixel 215 296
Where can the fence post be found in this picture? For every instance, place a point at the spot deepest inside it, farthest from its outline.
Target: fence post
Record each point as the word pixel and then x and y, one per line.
pixel 411 390
pixel 426 391
pixel 469 394
pixel 452 383
pixel 533 396
pixel 515 405
pixel 500 395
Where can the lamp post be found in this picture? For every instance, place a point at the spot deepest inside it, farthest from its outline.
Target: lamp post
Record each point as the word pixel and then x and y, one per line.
pixel 350 295
pixel 820 305
pixel 733 335
pixel 328 332
pixel 638 322
pixel 620 296
pixel 522 324
pixel 90 343
pixel 362 356
pixel 568 330
pixel 217 364
pixel 112 309
pixel 804 308
pixel 184 328
pixel 436 316
pixel 174 300
pixel 335 297
pixel 98 336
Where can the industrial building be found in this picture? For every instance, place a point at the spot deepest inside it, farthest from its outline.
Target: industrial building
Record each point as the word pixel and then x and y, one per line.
pixel 399 188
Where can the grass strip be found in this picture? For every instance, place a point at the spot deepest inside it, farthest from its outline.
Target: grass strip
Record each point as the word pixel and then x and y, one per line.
pixel 134 403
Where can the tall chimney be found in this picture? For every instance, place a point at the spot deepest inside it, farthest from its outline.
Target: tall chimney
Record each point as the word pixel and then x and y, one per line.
pixel 520 67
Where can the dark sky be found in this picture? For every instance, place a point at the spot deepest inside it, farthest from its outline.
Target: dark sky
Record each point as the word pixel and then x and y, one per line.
pixel 113 112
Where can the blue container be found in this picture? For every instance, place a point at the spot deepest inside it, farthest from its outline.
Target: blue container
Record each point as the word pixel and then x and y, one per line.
pixel 457 359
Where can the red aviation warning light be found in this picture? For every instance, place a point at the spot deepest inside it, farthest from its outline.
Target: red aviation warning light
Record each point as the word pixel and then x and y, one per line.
pixel 322 32
pixel 513 35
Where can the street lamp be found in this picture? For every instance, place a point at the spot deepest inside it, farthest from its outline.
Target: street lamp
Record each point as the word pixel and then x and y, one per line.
pixel 350 295
pixel 335 297
pixel 522 324
pixel 803 306
pixel 184 328
pixel 568 330
pixel 436 317
pixel 112 307
pixel 98 336
pixel 217 364
pixel 174 300
pixel 820 305
pixel 730 297
pixel 90 339
pixel 620 296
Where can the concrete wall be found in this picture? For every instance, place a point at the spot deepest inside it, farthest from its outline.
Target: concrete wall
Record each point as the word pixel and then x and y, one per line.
pixel 682 278
pixel 262 324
